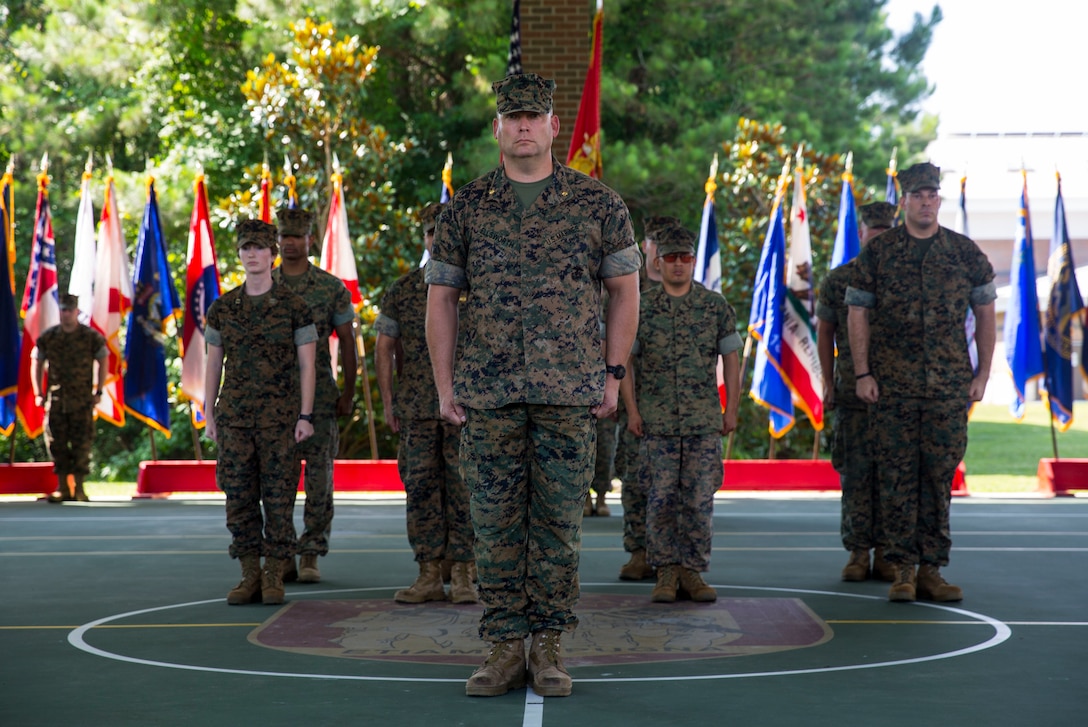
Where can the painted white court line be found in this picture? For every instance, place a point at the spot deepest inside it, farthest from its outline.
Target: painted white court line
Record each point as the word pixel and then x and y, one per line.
pixel 533 715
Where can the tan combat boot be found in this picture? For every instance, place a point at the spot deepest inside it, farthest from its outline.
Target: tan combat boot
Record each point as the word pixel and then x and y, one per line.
pixel 697 589
pixel 857 568
pixel 249 590
pixel 637 569
pixel 547 675
pixel 308 571
pixel 602 506
pixel 272 592
pixel 903 587
pixel 934 588
pixel 290 571
pixel 462 589
pixel 882 569
pixel 503 670
pixel 668 580
pixel 428 585
pixel 77 493
pixel 63 493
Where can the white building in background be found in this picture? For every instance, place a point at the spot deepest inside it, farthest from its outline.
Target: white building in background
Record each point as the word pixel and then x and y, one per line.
pixel 992 163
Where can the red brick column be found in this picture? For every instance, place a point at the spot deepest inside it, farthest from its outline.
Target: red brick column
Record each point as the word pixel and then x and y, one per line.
pixel 555 42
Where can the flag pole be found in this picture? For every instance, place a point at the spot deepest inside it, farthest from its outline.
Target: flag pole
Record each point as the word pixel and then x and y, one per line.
pixel 743 371
pixel 361 346
pixel 10 171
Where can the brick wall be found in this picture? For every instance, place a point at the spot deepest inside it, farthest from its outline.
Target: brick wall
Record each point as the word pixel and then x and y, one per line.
pixel 555 43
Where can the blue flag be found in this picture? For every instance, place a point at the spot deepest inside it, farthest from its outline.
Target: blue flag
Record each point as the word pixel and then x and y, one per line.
pixel 1065 303
pixel 155 302
pixel 9 317
pixel 1023 343
pixel 769 388
pixel 847 242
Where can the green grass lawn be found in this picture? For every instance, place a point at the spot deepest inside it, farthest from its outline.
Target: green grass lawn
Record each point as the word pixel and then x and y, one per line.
pixel 1003 454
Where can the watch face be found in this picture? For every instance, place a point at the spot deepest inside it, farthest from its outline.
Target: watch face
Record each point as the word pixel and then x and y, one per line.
pixel 617 371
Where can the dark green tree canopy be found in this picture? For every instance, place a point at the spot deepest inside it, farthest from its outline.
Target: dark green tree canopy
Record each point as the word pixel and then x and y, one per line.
pixel 165 88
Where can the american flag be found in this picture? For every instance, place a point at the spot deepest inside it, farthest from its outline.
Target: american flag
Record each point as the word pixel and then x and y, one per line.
pixel 513 57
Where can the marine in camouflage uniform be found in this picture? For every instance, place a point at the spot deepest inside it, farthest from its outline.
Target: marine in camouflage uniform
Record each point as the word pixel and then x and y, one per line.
pixel 851 452
pixel 632 496
pixel 67 353
pixel 913 367
pixel 683 329
pixel 531 243
pixel 261 338
pixel 437 510
pixel 330 304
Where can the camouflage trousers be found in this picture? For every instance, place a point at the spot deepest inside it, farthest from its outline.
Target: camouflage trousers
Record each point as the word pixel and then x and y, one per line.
pixel 68 437
pixel 319 451
pixel 680 476
pixel 632 494
pixel 852 458
pixel 528 469
pixel 918 444
pixel 604 463
pixel 439 523
pixel 259 466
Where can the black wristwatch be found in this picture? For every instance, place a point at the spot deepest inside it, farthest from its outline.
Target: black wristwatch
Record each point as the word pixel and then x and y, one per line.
pixel 306 418
pixel 617 371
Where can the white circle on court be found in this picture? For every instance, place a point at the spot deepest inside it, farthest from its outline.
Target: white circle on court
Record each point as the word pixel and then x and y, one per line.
pixel 1001 633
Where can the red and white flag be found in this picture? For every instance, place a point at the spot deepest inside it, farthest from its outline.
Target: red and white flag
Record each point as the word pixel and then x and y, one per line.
pixel 337 257
pixel 40 309
pixel 800 358
pixel 81 282
pixel 202 287
pixel 112 300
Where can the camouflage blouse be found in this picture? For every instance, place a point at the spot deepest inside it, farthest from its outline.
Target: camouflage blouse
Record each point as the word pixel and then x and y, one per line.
pixel 530 329
pixel 917 346
pixel 259 335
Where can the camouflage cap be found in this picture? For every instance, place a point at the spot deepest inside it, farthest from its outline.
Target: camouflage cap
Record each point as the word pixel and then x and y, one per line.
pixel 920 176
pixel 428 216
pixel 294 222
pixel 675 239
pixel 68 301
pixel 653 225
pixel 878 214
pixel 523 92
pixel 256 232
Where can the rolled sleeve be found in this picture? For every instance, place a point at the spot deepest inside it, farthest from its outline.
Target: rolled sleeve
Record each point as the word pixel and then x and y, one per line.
pixel 213 337
pixel 860 298
pixel 306 334
pixel 387 326
pixel 729 344
pixel 440 273
pixel 624 262
pixel 826 313
pixel 983 294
